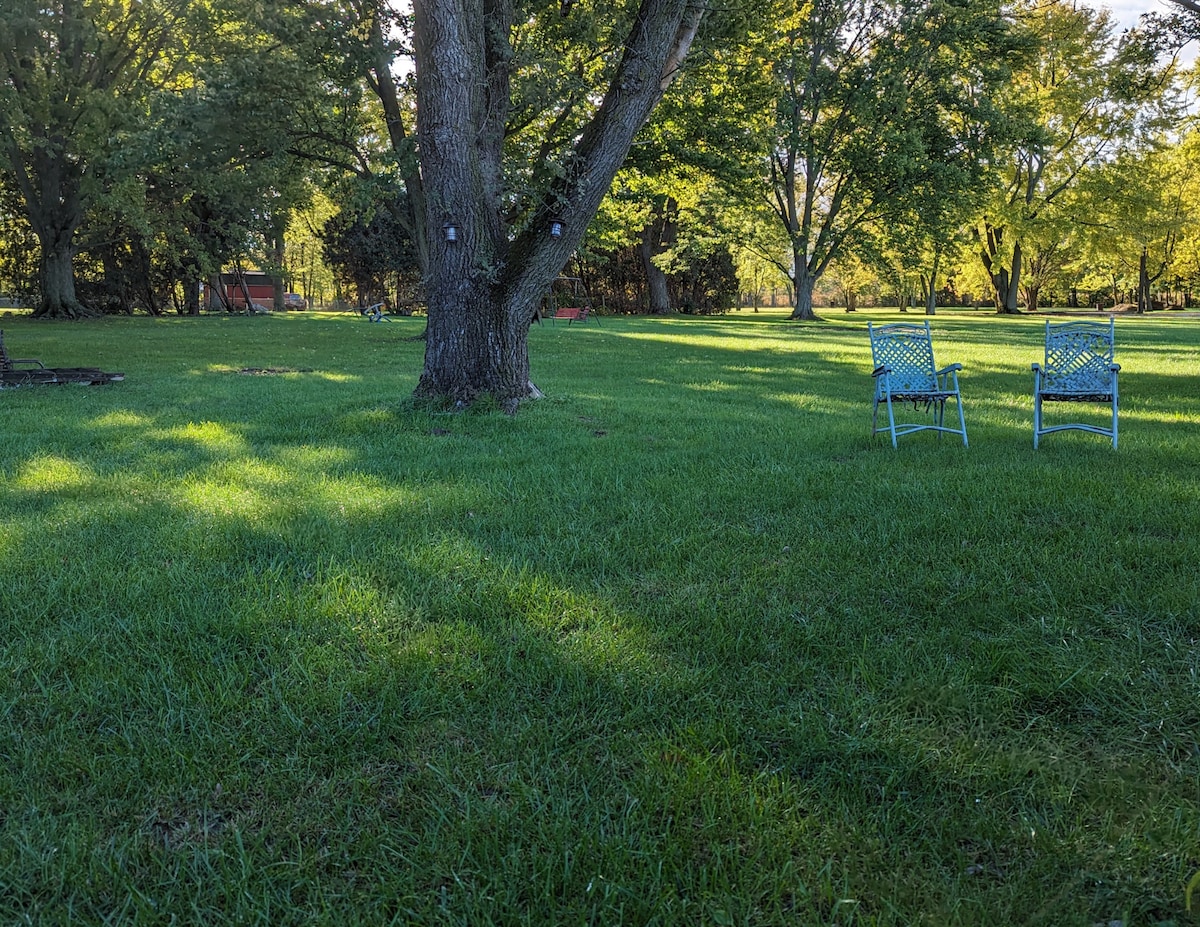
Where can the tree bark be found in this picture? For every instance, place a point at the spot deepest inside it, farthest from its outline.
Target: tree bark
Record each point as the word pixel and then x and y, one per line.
pixel 278 252
pixel 802 306
pixel 657 234
pixel 931 293
pixel 1005 281
pixel 50 192
pixel 1143 295
pixel 413 218
pixel 57 278
pixel 191 293
pixel 1010 306
pixel 804 281
pixel 484 286
pixel 476 345
pixel 1033 296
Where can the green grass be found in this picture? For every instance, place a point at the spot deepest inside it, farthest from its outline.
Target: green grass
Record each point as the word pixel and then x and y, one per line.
pixel 678 644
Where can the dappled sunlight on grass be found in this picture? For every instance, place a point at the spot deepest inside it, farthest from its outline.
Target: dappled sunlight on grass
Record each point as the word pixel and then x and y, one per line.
pixel 219 497
pixel 734 341
pixel 811 402
pixel 212 437
pixel 122 418
pixel 509 597
pixel 1166 416
pixel 315 457
pixel 284 373
pixel 713 386
pixel 298 482
pixel 47 474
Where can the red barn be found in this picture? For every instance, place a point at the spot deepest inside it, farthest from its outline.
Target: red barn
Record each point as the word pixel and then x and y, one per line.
pixel 261 287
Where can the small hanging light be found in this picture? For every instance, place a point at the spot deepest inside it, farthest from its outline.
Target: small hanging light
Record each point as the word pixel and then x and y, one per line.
pixel 556 228
pixel 450 230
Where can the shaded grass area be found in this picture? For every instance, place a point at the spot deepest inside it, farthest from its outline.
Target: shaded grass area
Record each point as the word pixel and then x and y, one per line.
pixel 677 644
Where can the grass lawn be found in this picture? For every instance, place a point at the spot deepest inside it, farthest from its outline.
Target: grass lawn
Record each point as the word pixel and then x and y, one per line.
pixel 678 644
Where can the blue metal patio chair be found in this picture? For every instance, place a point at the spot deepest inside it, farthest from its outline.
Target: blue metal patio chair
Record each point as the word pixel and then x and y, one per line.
pixel 904 372
pixel 1079 368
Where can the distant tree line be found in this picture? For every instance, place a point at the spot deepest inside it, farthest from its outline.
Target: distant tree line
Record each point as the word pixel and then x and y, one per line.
pixel 669 155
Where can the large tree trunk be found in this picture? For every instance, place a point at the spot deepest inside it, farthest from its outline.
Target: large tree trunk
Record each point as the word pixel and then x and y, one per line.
pixel 476 344
pixel 55 212
pixel 191 293
pixel 57 279
pixel 804 281
pixel 1011 294
pixel 484 281
pixel 49 183
pixel 802 307
pixel 1033 297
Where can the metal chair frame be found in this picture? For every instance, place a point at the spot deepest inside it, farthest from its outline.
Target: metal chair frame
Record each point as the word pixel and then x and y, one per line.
pixel 1079 367
pixel 905 372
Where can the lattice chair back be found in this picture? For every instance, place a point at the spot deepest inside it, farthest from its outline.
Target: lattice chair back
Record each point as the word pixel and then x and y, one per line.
pixel 907 351
pixel 1079 367
pixel 905 372
pixel 1079 358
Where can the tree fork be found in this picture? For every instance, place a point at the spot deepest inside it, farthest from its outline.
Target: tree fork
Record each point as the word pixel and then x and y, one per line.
pixel 483 283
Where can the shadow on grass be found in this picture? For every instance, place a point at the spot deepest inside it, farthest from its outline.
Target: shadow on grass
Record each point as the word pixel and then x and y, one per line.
pixel 696 652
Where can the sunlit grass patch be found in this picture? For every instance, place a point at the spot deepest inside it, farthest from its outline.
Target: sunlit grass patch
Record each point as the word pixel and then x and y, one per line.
pixel 210 436
pixel 51 474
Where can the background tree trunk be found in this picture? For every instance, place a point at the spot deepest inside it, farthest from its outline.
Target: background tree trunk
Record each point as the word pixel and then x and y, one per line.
pixel 57 278
pixel 55 212
pixel 1143 295
pixel 931 293
pixel 413 217
pixel 1011 293
pixel 654 238
pixel 278 250
pixel 803 282
pixel 802 306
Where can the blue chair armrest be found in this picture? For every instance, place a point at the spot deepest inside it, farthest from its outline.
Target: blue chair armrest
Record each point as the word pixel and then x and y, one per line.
pixel 943 376
pixel 881 370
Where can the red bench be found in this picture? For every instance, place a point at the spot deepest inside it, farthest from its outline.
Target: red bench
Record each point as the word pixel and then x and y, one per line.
pixel 572 313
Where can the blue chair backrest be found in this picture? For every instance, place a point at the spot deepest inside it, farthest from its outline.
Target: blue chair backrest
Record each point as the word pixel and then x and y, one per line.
pixel 904 347
pixel 1079 357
